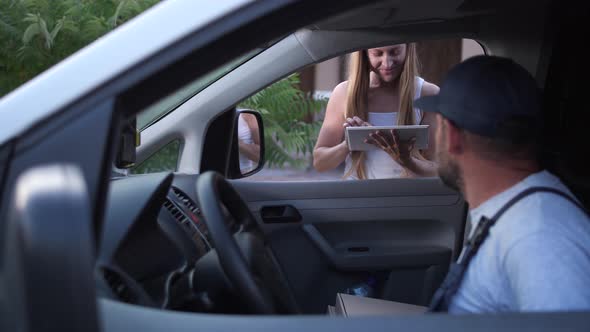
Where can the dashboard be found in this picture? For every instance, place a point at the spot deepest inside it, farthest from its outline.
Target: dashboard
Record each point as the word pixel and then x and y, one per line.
pixel 153 230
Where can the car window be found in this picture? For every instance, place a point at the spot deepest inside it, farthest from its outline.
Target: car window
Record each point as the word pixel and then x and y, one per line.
pixel 160 109
pixel 164 160
pixel 290 121
pixel 294 109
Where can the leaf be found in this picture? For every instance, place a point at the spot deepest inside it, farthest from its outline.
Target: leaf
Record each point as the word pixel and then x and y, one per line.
pixel 7 26
pixel 132 8
pixel 31 18
pixel 57 27
pixel 45 33
pixel 69 26
pixel 112 21
pixel 94 27
pixel 288 138
pixel 20 53
pixel 31 31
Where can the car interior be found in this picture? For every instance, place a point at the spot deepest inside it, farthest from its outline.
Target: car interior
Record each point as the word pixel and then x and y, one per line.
pixel 201 245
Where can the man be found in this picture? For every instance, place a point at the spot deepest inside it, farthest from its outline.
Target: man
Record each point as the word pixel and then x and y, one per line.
pixel 529 249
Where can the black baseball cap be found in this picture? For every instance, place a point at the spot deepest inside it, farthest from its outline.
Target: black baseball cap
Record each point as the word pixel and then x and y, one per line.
pixel 490 96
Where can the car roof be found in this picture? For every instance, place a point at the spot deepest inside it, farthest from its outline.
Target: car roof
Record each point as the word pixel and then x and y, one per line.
pixel 106 58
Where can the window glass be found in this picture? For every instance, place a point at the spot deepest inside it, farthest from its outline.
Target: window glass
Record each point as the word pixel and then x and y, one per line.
pixel 294 110
pixel 290 122
pixel 164 160
pixel 160 109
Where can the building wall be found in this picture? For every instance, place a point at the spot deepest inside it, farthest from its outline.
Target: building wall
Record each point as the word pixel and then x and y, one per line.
pixel 327 75
pixel 436 57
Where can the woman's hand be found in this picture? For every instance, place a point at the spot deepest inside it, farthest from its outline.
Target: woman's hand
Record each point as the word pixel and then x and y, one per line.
pixel 355 122
pixel 390 142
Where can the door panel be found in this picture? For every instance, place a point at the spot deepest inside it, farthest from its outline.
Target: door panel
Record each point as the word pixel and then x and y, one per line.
pixel 402 232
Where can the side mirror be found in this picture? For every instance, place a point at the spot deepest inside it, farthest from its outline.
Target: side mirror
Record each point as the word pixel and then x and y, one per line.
pixel 249 141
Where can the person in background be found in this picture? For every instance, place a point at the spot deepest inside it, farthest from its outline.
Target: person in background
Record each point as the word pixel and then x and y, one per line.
pixel 382 85
pixel 248 142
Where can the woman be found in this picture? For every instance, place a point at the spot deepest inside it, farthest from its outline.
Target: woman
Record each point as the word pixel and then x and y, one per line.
pixel 248 142
pixel 380 91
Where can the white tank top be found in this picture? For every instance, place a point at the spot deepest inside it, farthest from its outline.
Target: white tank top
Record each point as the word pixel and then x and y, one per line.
pixel 245 135
pixel 378 164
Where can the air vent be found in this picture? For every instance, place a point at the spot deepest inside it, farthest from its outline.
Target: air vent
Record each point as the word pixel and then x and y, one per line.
pixel 180 217
pixel 195 219
pixel 118 286
pixel 187 201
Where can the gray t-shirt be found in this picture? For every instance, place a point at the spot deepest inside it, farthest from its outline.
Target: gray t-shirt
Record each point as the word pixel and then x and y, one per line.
pixel 536 256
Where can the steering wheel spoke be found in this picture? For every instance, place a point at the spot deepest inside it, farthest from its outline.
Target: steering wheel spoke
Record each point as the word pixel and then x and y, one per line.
pixel 225 213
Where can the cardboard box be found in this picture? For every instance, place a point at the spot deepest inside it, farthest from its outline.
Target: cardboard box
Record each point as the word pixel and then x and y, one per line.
pixel 353 306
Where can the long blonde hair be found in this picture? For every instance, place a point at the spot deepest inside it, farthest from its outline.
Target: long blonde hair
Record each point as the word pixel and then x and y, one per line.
pixel 358 95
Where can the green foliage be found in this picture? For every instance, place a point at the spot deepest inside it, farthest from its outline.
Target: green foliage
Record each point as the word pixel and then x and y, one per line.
pixel 164 160
pixel 290 130
pixel 36 34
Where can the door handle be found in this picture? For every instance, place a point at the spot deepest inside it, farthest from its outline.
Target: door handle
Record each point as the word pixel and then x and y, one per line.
pixel 279 214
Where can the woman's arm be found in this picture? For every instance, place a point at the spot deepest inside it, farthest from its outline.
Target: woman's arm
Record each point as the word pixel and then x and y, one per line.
pixel 427 166
pixel 331 149
pixel 251 151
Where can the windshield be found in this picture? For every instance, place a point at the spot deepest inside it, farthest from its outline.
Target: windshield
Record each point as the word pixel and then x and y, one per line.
pixel 161 108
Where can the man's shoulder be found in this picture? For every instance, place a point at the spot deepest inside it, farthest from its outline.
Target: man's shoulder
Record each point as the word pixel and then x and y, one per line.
pixel 542 219
pixel 544 210
pixel 544 235
pixel 551 200
pixel 549 194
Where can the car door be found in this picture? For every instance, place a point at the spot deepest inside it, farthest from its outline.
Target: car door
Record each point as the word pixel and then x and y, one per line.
pixel 397 234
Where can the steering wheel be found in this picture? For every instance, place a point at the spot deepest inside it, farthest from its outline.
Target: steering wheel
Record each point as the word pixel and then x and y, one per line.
pixel 215 194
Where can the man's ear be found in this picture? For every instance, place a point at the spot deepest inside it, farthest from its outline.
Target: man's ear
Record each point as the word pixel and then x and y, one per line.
pixel 454 138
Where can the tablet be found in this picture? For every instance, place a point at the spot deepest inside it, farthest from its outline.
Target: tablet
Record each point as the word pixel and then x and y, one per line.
pixel 355 136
